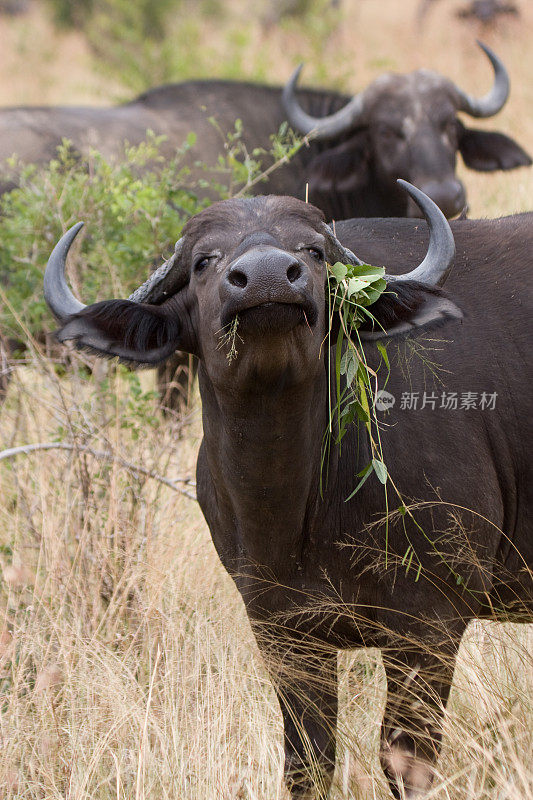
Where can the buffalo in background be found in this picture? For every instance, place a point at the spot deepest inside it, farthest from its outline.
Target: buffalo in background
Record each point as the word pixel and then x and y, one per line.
pixel 484 11
pixel 400 126
pixel 487 10
pixel 314 566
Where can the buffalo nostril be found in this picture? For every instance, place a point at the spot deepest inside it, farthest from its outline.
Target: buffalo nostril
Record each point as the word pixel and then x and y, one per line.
pixel 238 279
pixel 294 272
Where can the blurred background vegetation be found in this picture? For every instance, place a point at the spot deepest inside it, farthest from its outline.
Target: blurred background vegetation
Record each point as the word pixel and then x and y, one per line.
pixel 98 49
pixel 142 44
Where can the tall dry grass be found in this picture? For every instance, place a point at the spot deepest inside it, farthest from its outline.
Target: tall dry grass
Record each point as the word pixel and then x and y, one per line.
pixel 127 666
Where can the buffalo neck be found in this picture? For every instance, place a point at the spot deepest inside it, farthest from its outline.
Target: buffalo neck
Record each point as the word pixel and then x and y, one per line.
pixel 263 452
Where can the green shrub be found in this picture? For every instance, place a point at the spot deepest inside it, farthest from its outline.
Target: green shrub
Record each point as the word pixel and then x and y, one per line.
pixel 134 209
pixel 143 44
pixel 71 13
pixel 144 16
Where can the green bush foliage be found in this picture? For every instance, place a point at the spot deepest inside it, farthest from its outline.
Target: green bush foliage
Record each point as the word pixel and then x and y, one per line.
pixel 143 16
pixel 134 210
pixel 143 44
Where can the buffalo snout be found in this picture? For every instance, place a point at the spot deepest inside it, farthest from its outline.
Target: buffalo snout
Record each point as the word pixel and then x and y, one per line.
pixel 266 275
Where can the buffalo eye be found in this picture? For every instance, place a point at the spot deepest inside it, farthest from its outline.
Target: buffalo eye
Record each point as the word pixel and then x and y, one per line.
pixel 316 252
pixel 202 262
pixel 388 134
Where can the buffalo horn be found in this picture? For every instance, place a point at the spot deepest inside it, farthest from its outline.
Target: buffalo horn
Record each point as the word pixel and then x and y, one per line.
pixel 440 256
pixel 322 127
pixel 167 279
pixel 164 282
pixel 491 103
pixel 435 267
pixel 57 294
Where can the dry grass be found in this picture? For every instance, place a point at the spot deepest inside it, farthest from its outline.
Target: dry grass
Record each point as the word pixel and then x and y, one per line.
pixel 127 665
pixel 41 66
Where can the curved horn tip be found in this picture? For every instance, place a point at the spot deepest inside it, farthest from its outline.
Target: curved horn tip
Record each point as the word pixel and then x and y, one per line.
pixel 422 200
pixel 298 70
pixel 57 294
pixel 495 60
pixel 486 49
pixel 68 237
pixel 76 228
pixel 495 99
pixel 416 193
pixel 436 266
pixel 290 86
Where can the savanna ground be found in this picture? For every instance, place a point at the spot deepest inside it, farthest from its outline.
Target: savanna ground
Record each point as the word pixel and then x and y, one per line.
pixel 127 666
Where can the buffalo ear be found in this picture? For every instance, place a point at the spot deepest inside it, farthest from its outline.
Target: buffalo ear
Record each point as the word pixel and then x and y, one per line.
pixel 133 332
pixel 408 307
pixel 488 151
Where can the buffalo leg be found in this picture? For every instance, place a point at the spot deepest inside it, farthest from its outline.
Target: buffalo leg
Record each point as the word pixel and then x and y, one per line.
pixel 306 686
pixel 418 685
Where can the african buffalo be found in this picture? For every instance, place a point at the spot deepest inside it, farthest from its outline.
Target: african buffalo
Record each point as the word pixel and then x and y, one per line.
pixel 486 10
pixel 318 567
pixel 401 126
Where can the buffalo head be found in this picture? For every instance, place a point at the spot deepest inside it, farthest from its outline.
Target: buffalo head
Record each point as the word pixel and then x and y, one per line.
pixel 406 126
pixel 262 261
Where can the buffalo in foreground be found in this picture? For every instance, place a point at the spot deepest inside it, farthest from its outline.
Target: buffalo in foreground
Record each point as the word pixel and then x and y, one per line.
pixel 318 571
pixel 400 126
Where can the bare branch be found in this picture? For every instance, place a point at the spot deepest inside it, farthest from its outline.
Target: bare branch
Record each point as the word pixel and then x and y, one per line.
pixel 135 469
